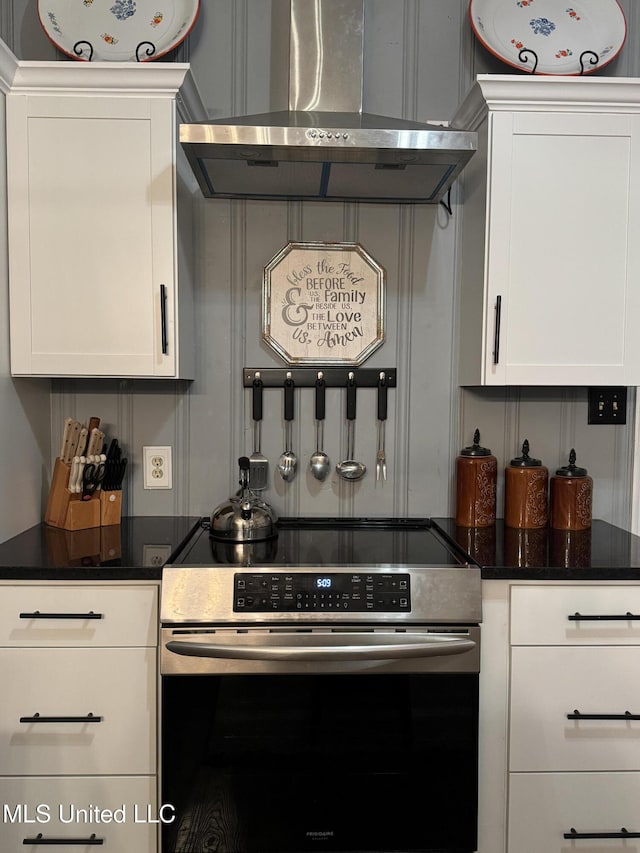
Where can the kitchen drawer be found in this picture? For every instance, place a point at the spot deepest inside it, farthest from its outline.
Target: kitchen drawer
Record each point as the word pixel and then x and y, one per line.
pixel 128 615
pixel 540 615
pixel 549 683
pixel 60 799
pixel 544 806
pixel 116 685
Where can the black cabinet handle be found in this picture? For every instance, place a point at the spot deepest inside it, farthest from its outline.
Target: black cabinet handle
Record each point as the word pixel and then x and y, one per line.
pixel 37 718
pixel 577 715
pixel 496 334
pixel 40 839
pixel 596 617
pixel 163 318
pixel 623 833
pixel 38 615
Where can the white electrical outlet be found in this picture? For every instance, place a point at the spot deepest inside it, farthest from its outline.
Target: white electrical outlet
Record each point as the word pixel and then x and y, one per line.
pixel 157 467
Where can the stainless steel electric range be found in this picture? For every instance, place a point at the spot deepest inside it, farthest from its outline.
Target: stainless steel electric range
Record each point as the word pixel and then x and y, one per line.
pixel 320 691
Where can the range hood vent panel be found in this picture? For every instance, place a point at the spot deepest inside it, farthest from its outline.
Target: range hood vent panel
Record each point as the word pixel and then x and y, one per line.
pixel 325 154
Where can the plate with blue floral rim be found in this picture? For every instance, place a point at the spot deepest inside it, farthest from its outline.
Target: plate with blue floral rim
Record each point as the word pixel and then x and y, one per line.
pixel 564 37
pixel 117 30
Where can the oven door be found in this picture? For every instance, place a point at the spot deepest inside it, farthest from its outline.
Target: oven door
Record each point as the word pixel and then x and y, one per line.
pixel 299 740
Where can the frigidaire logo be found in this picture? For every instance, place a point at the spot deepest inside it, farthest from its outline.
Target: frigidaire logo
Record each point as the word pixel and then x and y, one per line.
pixel 328 833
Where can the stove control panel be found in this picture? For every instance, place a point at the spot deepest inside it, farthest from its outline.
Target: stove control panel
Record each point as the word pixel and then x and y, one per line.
pixel 327 593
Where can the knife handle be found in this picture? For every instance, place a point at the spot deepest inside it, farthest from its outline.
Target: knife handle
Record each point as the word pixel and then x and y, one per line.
pixel 257 399
pixel 65 437
pixel 288 399
pixel 321 387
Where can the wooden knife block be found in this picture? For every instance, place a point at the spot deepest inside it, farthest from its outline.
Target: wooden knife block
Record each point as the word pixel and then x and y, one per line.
pixel 70 512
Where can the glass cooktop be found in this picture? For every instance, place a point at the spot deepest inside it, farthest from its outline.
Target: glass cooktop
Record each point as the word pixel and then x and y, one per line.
pixel 331 541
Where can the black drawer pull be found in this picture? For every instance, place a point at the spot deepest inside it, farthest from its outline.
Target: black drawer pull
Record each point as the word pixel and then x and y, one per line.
pixel 616 617
pixel 38 615
pixel 40 839
pixel 577 715
pixel 624 833
pixel 89 718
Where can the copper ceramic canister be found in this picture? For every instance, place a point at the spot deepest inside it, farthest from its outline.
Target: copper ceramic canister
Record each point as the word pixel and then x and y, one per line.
pixel 571 497
pixel 476 475
pixel 525 492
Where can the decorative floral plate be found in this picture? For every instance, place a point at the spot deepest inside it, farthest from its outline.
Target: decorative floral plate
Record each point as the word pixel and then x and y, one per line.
pixel 550 36
pixel 117 30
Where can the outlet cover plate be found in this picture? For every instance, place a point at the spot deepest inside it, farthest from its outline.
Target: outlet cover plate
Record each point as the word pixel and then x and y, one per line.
pixel 157 467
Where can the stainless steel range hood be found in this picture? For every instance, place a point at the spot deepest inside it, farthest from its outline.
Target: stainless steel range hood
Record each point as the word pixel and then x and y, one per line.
pixel 323 147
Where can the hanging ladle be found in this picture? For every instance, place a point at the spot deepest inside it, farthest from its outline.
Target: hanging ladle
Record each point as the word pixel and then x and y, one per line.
pixel 349 468
pixel 319 462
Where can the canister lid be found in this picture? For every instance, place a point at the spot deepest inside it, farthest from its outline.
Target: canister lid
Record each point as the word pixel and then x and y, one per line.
pixel 571 470
pixel 525 461
pixel 475 449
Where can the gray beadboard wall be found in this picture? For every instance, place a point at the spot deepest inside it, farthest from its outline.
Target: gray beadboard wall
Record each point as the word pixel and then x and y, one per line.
pixel 420 59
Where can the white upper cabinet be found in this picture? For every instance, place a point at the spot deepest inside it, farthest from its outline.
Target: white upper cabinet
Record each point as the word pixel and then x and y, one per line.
pixel 95 239
pixel 551 217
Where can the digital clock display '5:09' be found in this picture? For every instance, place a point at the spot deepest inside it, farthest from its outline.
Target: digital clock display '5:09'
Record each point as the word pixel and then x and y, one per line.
pixel 323 583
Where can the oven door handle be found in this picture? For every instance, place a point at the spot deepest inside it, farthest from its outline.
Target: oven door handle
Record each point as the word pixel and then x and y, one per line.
pixel 277 647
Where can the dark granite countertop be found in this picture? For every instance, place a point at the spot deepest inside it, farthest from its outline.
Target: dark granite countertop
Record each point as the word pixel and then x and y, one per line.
pixel 134 550
pixel 137 549
pixel 604 552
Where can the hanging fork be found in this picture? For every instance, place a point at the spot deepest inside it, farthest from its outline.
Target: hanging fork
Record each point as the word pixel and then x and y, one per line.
pixel 381 458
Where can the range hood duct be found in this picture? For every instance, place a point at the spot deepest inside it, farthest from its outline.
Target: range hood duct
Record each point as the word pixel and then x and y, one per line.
pixel 321 146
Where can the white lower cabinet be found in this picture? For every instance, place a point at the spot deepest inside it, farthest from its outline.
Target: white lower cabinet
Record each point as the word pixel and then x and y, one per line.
pixel 78 717
pixel 545 808
pixel 574 745
pixel 117 812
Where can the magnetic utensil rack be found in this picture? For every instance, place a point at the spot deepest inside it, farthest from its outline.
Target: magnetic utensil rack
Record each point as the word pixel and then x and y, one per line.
pixel 306 377
pixel 526 52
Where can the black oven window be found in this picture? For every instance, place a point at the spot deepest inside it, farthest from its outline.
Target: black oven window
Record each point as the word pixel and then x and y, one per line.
pixel 295 763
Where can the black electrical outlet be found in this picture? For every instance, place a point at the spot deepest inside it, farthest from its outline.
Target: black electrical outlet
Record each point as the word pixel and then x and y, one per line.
pixel 608 405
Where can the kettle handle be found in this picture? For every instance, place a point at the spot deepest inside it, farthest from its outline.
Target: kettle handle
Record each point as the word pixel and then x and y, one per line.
pixel 244 465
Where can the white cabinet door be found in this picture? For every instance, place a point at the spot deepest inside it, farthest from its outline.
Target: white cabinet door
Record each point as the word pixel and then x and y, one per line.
pixel 563 259
pixel 92 225
pixel 550 255
pixel 73 809
pixel 550 683
pixel 117 687
pixel 543 807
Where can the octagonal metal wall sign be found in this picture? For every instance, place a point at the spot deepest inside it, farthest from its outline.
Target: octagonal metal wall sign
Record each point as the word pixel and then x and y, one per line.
pixel 323 304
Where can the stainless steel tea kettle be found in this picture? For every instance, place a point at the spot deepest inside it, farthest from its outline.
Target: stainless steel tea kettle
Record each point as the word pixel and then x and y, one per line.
pixel 243 517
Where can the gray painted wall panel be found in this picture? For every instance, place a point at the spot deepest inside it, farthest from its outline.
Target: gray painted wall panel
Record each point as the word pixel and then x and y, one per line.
pixel 420 58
